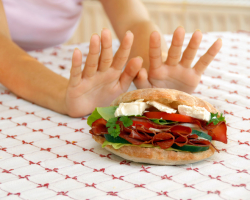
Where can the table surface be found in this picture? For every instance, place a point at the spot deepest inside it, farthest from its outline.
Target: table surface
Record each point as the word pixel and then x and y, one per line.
pixel 46 155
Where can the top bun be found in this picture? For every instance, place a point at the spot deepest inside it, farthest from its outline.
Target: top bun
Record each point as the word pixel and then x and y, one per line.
pixel 168 97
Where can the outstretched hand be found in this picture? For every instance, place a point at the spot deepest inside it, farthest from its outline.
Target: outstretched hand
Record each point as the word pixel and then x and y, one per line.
pixel 176 72
pixel 102 78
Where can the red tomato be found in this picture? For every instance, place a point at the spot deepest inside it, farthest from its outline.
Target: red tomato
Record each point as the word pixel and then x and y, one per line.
pixel 167 116
pixel 219 132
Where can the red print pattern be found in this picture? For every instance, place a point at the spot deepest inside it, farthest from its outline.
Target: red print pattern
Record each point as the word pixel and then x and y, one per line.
pixel 43 150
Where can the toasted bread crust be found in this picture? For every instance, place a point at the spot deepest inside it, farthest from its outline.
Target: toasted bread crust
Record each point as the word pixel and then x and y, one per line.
pixel 169 97
pixel 155 155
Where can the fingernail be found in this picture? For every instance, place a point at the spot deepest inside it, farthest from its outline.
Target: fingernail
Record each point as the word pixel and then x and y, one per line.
pixel 140 57
pixel 180 26
pixel 198 30
pixel 103 29
pixel 128 32
pixel 94 34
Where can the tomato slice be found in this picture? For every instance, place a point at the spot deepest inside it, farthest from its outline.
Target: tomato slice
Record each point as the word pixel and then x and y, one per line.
pixel 219 132
pixel 167 116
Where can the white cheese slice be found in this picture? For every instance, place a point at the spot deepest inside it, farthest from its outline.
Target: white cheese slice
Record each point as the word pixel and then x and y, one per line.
pixel 138 107
pixel 161 107
pixel 195 112
pixel 132 108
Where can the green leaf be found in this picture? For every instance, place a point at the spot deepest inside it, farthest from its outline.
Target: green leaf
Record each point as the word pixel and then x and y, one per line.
pixel 215 118
pixel 107 112
pixel 114 130
pixel 111 122
pixel 93 117
pixel 162 121
pixel 126 121
pixel 119 145
pixel 102 112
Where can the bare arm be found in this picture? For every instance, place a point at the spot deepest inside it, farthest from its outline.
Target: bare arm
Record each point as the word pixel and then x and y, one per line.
pixel 176 71
pixel 25 76
pixel 84 91
pixel 28 78
pixel 3 22
pixel 132 15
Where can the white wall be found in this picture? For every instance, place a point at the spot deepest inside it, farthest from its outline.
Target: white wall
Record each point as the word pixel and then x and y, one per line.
pixel 192 14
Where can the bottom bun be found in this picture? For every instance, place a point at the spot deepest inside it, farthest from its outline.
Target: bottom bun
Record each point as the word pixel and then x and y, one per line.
pixel 155 155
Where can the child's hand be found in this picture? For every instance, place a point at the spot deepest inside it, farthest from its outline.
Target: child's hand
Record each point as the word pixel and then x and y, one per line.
pixel 176 72
pixel 102 78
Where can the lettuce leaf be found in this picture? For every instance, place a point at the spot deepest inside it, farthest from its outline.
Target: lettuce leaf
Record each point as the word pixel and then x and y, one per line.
pixel 102 112
pixel 163 121
pixel 119 145
pixel 107 112
pixel 93 117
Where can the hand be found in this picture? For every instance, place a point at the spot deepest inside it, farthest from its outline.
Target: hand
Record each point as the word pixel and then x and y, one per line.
pixel 102 78
pixel 176 72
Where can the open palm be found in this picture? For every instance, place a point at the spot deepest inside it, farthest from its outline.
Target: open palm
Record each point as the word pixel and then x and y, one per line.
pixel 176 72
pixel 102 78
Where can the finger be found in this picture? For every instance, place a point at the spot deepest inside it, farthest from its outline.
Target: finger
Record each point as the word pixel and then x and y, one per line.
pixel 207 58
pixel 76 71
pixel 174 52
pixel 141 80
pixel 191 50
pixel 130 72
pixel 123 52
pixel 106 56
pixel 91 64
pixel 155 58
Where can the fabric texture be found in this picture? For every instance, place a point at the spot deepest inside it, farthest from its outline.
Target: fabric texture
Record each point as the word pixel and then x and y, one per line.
pixel 46 155
pixel 38 24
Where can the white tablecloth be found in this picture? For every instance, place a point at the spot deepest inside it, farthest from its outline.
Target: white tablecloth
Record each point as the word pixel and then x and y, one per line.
pixel 46 155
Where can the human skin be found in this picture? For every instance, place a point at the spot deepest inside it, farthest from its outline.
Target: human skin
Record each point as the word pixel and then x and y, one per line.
pixel 78 96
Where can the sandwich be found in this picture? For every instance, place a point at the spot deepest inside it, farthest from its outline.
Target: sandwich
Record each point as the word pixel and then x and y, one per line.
pixel 159 126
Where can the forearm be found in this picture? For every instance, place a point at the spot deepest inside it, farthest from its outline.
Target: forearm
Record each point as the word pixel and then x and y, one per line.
pixel 132 15
pixel 142 32
pixel 29 79
pixel 4 29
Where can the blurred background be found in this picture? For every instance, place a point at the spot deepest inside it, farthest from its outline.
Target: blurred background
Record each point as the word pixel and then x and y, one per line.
pixel 206 15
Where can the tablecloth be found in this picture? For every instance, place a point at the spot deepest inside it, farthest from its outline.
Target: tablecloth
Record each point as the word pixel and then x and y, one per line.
pixel 46 155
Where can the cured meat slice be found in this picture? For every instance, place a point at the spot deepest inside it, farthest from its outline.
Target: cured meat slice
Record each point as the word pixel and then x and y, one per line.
pixel 99 127
pixel 164 140
pixel 134 134
pixel 199 142
pixel 139 133
pixel 183 130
